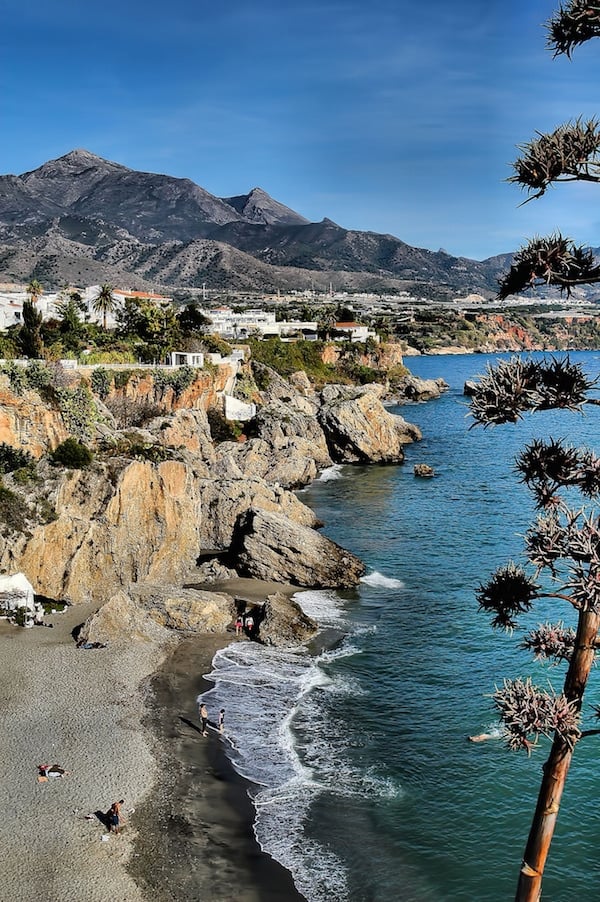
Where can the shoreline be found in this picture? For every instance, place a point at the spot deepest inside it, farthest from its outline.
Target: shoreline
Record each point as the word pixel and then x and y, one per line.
pixel 122 721
pixel 195 835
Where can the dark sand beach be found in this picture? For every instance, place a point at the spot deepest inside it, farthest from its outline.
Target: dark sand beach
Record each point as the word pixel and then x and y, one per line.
pixel 195 837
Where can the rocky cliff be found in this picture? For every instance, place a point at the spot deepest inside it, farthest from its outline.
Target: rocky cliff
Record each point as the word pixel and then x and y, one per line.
pixel 160 496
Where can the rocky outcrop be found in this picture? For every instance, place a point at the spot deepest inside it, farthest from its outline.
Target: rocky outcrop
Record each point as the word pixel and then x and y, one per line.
pixel 268 546
pixel 149 611
pixel 255 459
pixel 423 471
pixel 29 423
pixel 124 533
pixel 141 388
pixel 359 429
pixel 140 522
pixel 283 622
pixel 412 388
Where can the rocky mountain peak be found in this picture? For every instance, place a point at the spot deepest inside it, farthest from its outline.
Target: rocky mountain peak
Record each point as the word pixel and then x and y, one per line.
pixel 259 207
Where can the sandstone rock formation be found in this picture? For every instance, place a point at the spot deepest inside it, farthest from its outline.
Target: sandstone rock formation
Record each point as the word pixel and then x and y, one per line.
pixel 29 423
pixel 164 494
pixel 423 471
pixel 412 388
pixel 149 611
pixel 267 546
pixel 284 622
pixel 137 521
pixel 359 429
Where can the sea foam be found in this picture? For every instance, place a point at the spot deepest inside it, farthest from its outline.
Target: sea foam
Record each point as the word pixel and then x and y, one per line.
pixel 329 473
pixel 379 581
pixel 281 737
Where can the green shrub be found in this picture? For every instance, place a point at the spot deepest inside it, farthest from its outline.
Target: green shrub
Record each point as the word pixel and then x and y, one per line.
pixel 78 410
pixel 122 377
pixel 101 382
pixel 214 344
pixel 178 379
pixel 25 475
pixel 47 511
pixel 290 357
pixel 38 375
pixel 13 458
pixel 222 430
pixel 73 454
pixel 12 512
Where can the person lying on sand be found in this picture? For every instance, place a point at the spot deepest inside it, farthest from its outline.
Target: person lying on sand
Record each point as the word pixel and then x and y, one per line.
pixel 51 770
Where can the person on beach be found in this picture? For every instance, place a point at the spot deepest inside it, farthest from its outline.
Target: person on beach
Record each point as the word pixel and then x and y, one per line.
pixel 222 720
pixel 203 713
pixel 114 817
pixel 239 625
pixel 249 624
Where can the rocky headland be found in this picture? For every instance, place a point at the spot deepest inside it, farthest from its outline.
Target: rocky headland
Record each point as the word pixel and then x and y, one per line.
pixel 128 495
pixel 175 496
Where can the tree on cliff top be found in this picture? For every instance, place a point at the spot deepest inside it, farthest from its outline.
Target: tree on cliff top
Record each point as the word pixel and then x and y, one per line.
pixel 571 153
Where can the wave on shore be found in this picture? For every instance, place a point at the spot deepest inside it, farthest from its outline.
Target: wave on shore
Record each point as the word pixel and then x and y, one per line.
pixel 377 580
pixel 333 472
pixel 282 738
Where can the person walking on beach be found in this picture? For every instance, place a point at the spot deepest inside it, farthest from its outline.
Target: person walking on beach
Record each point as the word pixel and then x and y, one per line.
pixel 222 720
pixel 239 625
pixel 203 712
pixel 114 817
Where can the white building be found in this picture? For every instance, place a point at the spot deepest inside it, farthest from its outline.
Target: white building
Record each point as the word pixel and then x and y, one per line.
pixel 353 332
pixel 184 358
pixel 263 323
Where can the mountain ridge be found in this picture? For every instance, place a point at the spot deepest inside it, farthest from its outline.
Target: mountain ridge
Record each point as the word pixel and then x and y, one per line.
pixel 81 207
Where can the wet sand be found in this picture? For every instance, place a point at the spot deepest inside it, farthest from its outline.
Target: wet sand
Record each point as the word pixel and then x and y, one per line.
pixel 195 838
pixel 123 721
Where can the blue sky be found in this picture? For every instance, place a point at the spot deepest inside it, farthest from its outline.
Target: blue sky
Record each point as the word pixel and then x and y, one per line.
pixel 386 116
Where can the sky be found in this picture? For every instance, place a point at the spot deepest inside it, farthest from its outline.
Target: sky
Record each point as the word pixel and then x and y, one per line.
pixel 392 117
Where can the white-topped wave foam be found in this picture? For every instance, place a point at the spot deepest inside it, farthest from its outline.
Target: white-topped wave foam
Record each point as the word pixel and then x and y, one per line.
pixel 284 737
pixel 378 580
pixel 324 606
pixel 329 473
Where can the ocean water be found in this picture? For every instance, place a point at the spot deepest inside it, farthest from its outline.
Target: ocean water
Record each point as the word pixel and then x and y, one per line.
pixel 366 786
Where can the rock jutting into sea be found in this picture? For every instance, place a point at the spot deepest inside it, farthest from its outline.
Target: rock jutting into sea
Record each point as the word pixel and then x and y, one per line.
pixel 160 496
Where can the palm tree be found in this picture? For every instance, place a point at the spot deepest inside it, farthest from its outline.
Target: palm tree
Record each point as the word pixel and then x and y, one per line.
pixel 104 302
pixel 35 290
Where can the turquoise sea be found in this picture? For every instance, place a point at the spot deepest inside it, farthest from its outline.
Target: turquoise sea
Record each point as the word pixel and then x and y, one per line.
pixel 366 786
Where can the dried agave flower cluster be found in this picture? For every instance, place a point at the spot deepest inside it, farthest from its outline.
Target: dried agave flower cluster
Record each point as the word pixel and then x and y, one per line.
pixel 515 386
pixel 573 24
pixel 553 260
pixel 569 153
pixel 528 711
pixel 508 593
pixel 547 467
pixel 563 542
pixel 550 641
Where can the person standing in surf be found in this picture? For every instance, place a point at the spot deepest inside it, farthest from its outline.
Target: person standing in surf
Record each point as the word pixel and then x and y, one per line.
pixel 203 714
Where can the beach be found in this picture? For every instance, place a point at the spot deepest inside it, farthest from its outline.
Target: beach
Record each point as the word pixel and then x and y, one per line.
pixel 195 837
pixel 80 709
pixel 122 721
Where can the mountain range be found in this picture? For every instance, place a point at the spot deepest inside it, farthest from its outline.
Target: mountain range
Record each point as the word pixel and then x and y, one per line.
pixel 81 219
